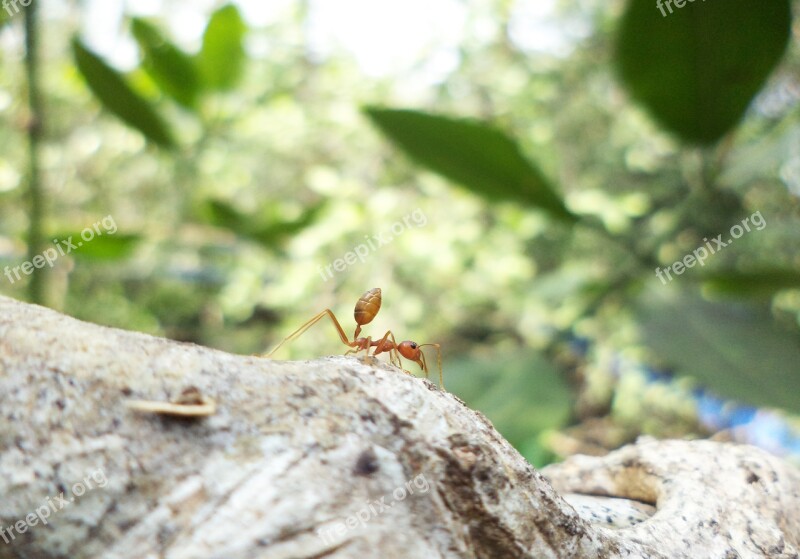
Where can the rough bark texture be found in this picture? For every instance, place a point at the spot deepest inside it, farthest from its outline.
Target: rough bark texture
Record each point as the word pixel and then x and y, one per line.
pixel 336 458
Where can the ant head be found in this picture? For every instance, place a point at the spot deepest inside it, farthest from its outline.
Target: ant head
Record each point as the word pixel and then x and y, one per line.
pixel 411 351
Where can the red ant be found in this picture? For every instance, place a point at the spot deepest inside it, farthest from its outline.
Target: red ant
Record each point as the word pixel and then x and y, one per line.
pixel 367 308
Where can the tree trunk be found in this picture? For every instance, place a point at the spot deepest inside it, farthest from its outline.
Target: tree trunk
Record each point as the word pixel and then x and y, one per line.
pixel 338 458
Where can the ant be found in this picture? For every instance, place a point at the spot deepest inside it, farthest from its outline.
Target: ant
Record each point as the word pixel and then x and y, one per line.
pixel 367 308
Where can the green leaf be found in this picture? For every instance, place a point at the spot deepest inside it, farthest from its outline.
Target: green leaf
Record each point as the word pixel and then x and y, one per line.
pixel 266 227
pixel 275 229
pixel 736 350
pixel 104 247
pixel 520 392
pixel 480 157
pixel 222 214
pixel 221 59
pixel 116 96
pixel 171 68
pixel 765 283
pixel 697 69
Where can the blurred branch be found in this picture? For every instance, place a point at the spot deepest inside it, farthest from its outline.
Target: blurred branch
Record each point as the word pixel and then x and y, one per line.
pixel 37 286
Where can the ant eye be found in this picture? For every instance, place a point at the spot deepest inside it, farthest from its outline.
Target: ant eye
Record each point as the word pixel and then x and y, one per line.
pixel 413 345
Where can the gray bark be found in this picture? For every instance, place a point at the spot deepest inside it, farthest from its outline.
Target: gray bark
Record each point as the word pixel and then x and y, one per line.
pixel 338 457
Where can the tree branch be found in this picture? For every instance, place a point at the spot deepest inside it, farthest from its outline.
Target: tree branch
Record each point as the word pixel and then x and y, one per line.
pixel 336 458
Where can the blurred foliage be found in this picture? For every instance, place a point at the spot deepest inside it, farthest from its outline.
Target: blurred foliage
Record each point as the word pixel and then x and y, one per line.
pixel 222 55
pixel 170 68
pixel 482 158
pixel 700 92
pixel 737 343
pixel 544 186
pixel 701 89
pixel 118 97
pixel 266 226
pixel 529 398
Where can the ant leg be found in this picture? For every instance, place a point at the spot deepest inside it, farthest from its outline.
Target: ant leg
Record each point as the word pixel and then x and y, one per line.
pixel 364 344
pixel 384 344
pixel 438 360
pixel 297 333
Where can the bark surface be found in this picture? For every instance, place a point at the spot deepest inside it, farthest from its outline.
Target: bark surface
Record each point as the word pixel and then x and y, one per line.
pixel 338 458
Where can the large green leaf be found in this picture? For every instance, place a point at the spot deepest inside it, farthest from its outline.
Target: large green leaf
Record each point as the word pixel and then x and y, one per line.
pixel 221 59
pixel 520 392
pixel 696 68
pixel 172 69
pixel 765 283
pixel 737 350
pixel 116 96
pixel 478 156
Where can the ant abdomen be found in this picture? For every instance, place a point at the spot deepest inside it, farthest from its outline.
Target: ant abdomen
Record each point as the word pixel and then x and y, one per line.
pixel 367 306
